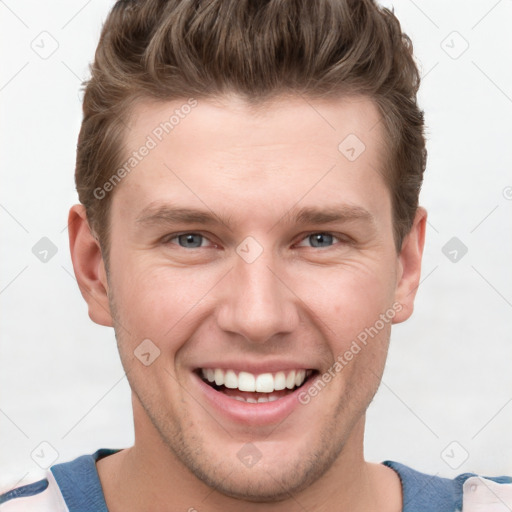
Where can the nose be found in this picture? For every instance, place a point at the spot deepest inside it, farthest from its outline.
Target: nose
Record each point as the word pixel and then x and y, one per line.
pixel 257 302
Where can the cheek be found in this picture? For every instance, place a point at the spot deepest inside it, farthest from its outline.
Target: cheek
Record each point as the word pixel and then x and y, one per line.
pixel 158 302
pixel 349 300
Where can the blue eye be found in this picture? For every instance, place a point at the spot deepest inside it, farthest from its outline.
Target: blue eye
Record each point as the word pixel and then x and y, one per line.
pixel 321 240
pixel 189 240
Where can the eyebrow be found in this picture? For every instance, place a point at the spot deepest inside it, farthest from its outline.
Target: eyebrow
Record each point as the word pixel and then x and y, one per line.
pixel 174 215
pixel 315 215
pixel 167 214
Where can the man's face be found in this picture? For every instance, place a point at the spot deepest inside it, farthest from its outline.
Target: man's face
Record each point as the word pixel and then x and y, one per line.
pixel 248 243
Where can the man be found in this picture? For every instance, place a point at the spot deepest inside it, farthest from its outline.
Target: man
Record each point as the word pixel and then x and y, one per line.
pixel 249 225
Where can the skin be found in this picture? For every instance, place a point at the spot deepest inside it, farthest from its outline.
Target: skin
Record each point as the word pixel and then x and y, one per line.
pixel 252 168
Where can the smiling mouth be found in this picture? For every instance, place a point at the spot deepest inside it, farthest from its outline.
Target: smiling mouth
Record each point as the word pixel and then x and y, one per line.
pixel 252 388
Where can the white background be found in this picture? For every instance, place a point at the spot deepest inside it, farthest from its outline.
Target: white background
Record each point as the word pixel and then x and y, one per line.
pixel 448 378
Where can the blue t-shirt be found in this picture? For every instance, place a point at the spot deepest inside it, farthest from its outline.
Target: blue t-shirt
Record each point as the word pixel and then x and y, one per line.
pixel 75 487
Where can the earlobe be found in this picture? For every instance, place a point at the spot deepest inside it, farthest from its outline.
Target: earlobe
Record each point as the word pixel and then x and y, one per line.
pixel 409 266
pixel 89 266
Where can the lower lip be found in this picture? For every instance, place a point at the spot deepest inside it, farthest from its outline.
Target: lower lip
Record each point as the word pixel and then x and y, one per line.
pixel 246 413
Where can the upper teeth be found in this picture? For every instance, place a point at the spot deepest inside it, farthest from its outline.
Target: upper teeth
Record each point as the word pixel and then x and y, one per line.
pixel 263 383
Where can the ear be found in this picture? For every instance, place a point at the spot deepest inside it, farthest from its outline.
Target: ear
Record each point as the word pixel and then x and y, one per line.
pixel 89 266
pixel 409 266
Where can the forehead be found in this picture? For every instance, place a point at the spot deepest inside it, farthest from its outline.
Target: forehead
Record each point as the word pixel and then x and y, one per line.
pixel 233 153
pixel 229 120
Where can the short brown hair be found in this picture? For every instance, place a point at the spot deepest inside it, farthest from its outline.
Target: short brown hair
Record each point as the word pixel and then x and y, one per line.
pixel 170 49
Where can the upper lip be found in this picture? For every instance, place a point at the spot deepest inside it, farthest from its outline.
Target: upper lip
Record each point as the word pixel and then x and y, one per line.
pixel 259 367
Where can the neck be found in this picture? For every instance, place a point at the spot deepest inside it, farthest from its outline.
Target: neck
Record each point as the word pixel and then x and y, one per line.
pixel 149 472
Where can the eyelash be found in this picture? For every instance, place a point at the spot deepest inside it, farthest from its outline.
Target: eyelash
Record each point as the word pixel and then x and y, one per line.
pixel 338 237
